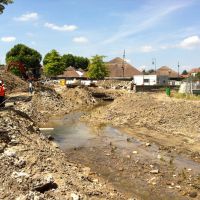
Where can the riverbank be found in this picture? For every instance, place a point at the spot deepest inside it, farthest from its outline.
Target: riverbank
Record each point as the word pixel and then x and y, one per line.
pixel 32 167
pixel 144 163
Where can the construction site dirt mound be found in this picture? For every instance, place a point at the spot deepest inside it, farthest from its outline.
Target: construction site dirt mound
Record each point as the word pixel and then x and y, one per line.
pixel 12 82
pixel 46 102
pixel 32 167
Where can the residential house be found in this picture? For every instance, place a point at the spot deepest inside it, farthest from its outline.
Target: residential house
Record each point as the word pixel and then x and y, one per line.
pixel 72 73
pixel 166 71
pixel 150 80
pixel 194 71
pixel 121 69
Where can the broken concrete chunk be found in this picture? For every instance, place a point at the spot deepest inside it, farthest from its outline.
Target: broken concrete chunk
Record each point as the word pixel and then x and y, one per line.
pixel 155 171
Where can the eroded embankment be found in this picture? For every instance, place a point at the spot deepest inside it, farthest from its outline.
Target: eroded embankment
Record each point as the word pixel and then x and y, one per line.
pixel 34 168
pixel 46 102
pixel 162 117
pixel 136 167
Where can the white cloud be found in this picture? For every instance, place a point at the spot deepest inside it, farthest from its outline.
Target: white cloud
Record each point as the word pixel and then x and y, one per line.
pixel 61 28
pixel 8 39
pixel 28 17
pixel 190 42
pixel 80 40
pixel 146 49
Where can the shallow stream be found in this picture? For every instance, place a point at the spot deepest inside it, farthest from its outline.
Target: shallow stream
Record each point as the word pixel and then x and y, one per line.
pixel 121 159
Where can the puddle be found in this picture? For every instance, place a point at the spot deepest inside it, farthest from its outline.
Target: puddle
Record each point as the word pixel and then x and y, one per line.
pixel 105 150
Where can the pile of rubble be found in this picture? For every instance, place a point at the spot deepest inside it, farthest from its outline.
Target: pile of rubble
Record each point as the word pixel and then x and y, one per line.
pixel 46 102
pixel 32 167
pixel 12 82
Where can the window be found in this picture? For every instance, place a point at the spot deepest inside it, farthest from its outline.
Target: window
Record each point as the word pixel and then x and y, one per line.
pixel 146 80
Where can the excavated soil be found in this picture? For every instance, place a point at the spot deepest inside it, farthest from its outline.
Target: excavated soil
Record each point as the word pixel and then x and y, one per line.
pixel 163 116
pixel 12 82
pixel 32 167
pixel 158 151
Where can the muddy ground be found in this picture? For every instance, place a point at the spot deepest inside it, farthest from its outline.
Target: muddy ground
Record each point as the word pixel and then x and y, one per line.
pixel 165 135
pixel 157 156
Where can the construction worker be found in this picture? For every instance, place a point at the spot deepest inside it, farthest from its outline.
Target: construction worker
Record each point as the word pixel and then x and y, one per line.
pixel 30 86
pixel 2 94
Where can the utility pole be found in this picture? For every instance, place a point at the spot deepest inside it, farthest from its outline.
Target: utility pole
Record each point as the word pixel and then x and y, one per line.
pixel 178 69
pixel 123 62
pixel 154 63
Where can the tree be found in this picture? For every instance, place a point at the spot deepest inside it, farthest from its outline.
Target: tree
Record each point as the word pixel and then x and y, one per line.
pixel 81 62
pixel 53 64
pixel 3 3
pixel 198 75
pixel 68 60
pixel 27 56
pixel 184 72
pixel 151 71
pixel 97 68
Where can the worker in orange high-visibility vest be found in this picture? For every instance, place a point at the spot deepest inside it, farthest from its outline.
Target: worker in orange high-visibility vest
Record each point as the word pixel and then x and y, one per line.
pixel 2 94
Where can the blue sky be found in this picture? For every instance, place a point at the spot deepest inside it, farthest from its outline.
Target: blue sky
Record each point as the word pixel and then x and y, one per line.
pixel 167 30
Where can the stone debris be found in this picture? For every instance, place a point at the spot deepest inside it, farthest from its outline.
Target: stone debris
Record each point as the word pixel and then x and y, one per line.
pixel 33 168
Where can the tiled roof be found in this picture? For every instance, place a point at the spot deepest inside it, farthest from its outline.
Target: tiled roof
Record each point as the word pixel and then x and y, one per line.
pixel 195 70
pixel 166 71
pixel 115 68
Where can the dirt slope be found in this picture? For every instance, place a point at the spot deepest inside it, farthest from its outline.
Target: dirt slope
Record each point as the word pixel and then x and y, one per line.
pixel 13 82
pixel 34 168
pixel 165 116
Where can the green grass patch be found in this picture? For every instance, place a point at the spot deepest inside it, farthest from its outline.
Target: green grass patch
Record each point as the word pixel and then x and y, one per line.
pixel 186 96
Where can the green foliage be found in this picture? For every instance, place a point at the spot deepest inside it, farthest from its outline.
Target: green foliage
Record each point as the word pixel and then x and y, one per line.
pixel 97 68
pixel 184 72
pixel 16 71
pixel 68 60
pixel 3 3
pixel 28 56
pixel 186 96
pixel 81 62
pixel 53 64
pixel 151 71
pixel 75 61
pixel 198 75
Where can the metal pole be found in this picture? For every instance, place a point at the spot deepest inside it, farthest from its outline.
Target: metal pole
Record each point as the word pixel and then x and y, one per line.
pixel 178 70
pixel 123 62
pixel 154 63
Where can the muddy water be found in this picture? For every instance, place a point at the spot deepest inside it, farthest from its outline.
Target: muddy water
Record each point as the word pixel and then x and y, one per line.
pixel 125 161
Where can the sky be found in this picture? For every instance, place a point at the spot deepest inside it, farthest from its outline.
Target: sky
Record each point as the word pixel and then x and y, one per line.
pixel 167 31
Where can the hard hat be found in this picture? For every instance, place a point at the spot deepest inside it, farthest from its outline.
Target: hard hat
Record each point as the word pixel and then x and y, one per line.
pixel 1 82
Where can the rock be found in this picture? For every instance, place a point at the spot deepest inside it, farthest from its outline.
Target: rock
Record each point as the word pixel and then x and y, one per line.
pixel 21 197
pixel 86 171
pixel 10 153
pixel 75 196
pixel 95 180
pixel 121 169
pixel 155 171
pixel 159 156
pixel 135 152
pixel 50 138
pixel 19 175
pixel 193 194
pixel 148 144
pixel 20 163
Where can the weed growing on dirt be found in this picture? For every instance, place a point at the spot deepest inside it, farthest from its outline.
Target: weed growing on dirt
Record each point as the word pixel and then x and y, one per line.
pixel 186 96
